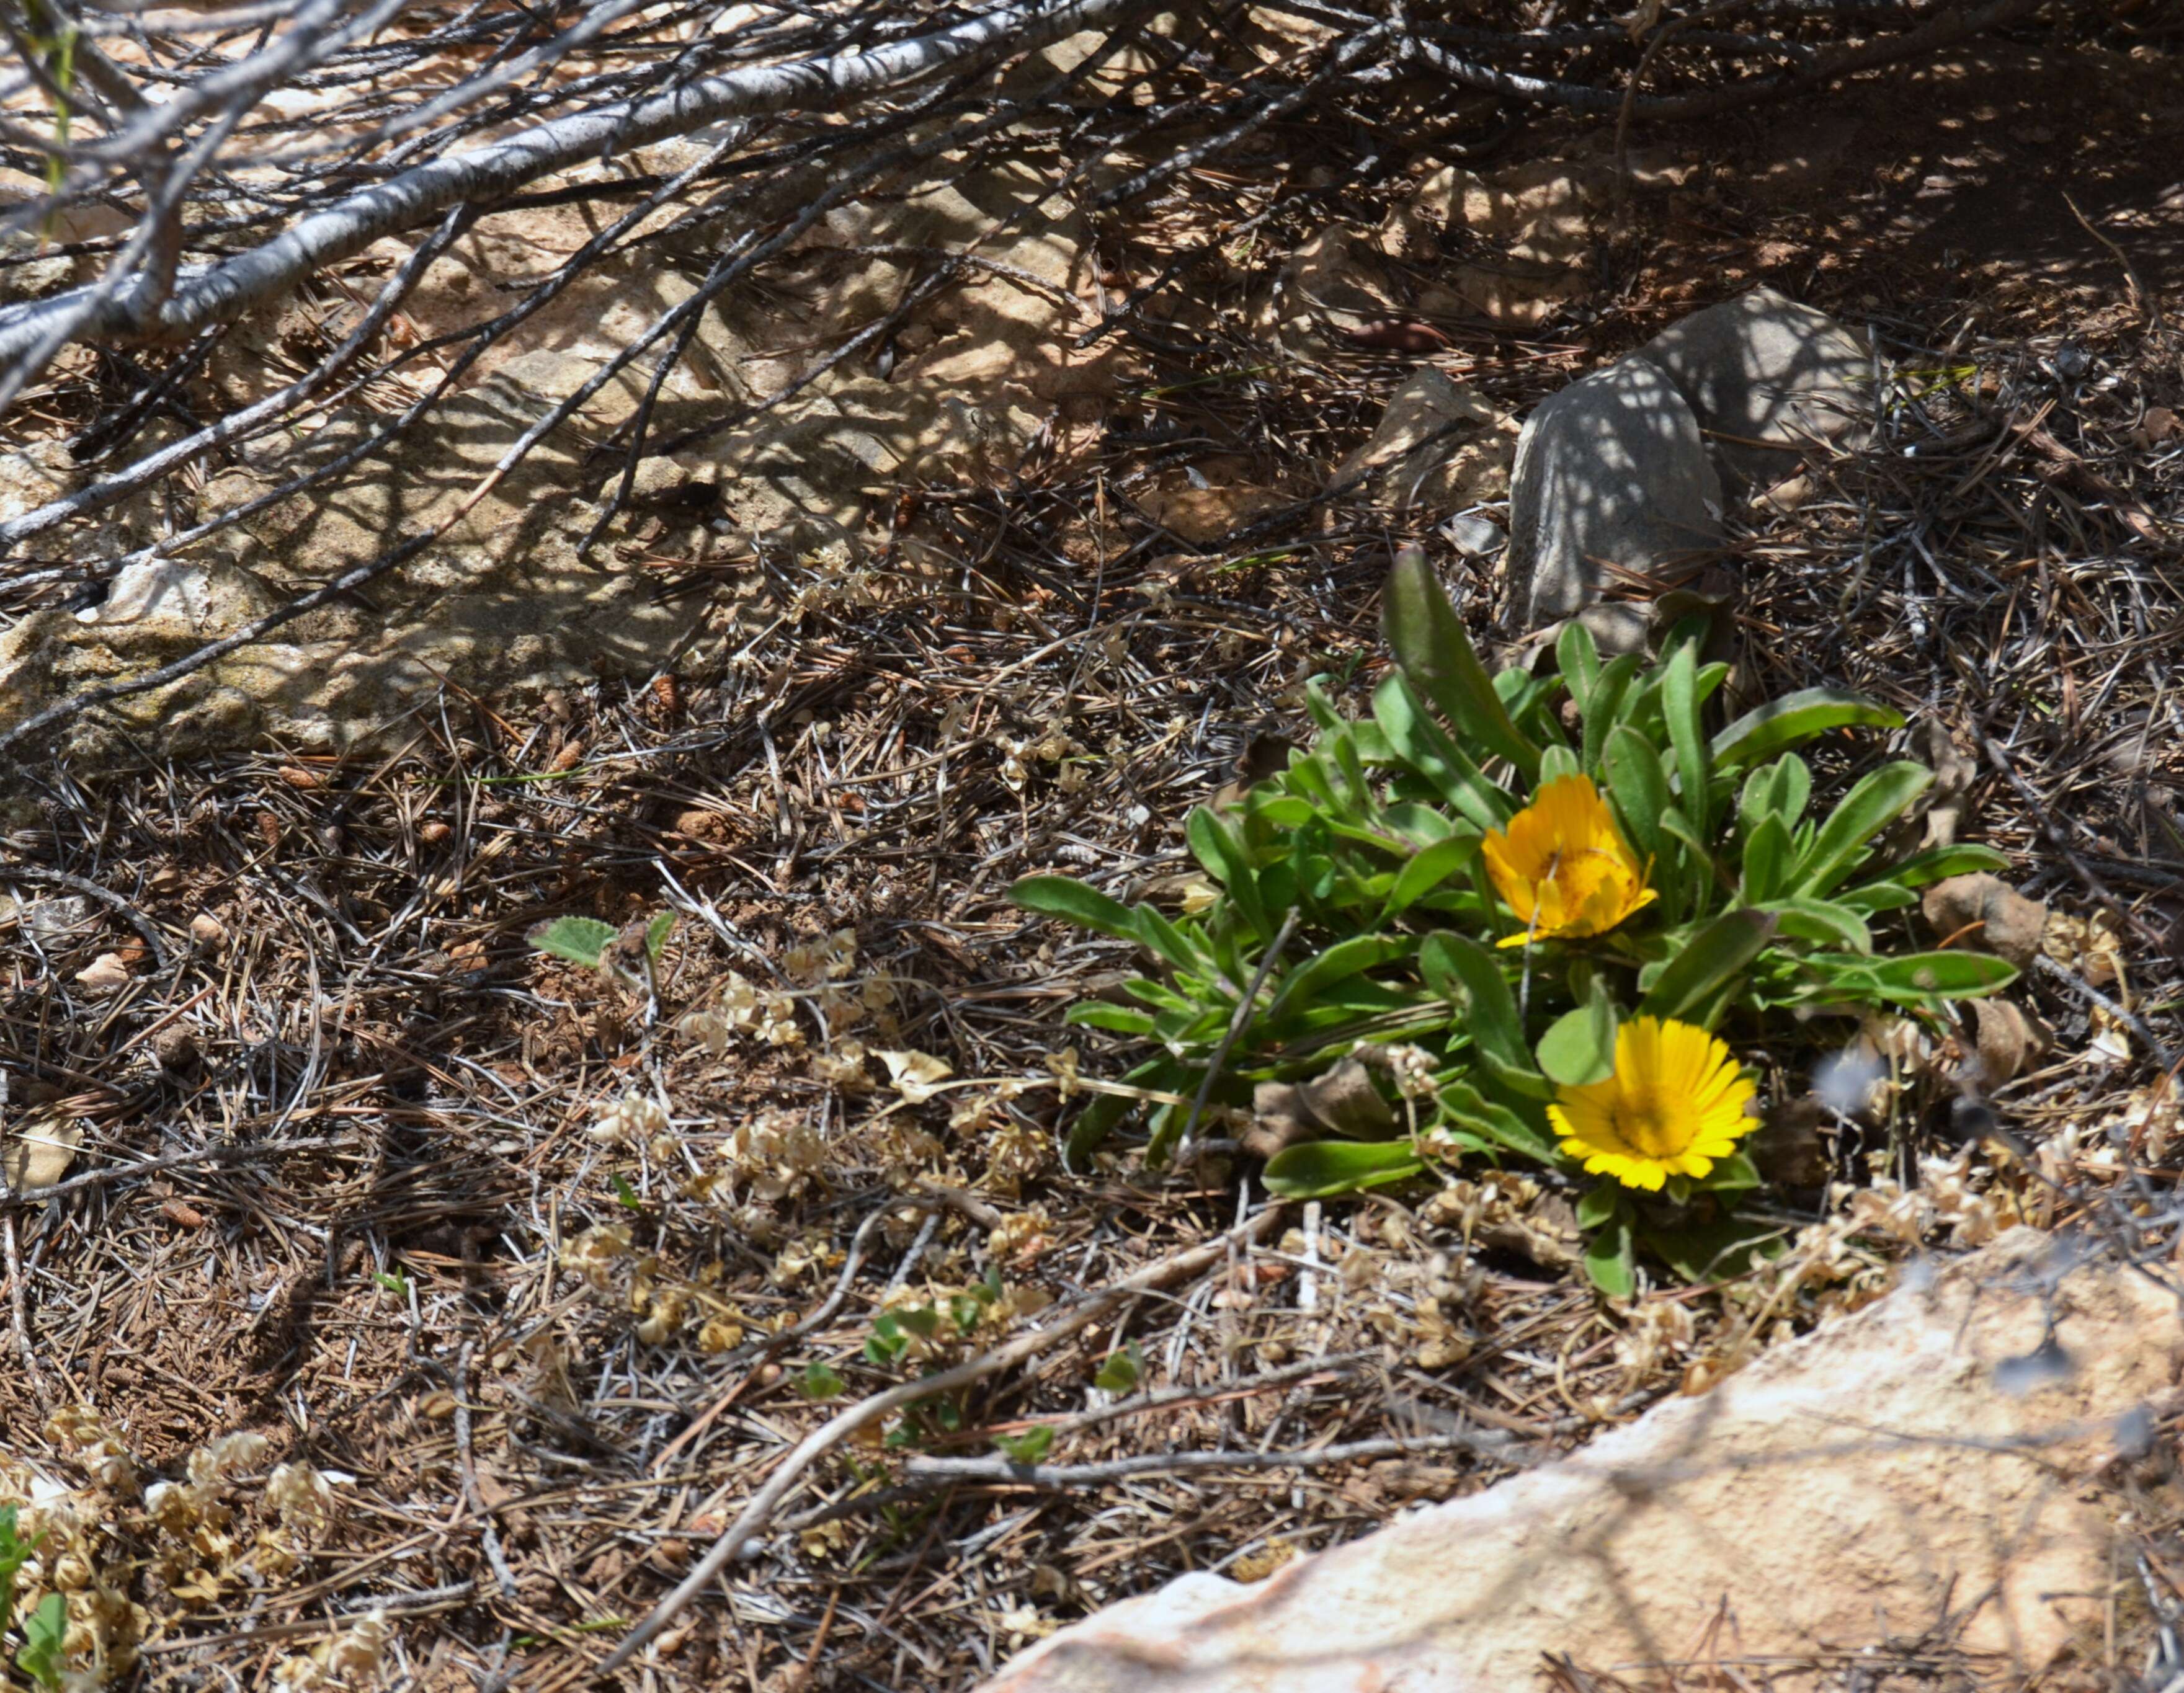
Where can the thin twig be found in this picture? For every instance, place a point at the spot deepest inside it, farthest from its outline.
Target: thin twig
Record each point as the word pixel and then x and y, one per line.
pixel 752 1520
pixel 942 1472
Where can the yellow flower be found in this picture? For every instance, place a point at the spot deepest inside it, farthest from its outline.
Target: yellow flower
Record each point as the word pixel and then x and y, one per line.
pixel 1563 867
pixel 1676 1103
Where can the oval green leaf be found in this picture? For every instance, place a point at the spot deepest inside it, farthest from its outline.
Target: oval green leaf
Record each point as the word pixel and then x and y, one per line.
pixel 1796 718
pixel 1320 1169
pixel 1437 657
pixel 1718 952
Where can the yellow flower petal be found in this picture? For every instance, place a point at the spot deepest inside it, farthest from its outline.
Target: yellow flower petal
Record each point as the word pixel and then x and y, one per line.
pixel 1676 1102
pixel 1562 867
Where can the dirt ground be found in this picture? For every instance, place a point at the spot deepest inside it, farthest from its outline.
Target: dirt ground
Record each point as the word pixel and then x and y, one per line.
pixel 543 1278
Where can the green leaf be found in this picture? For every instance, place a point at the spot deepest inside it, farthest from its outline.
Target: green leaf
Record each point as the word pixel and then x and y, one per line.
pixel 1578 657
pixel 921 1320
pixel 580 940
pixel 1319 1169
pixel 1157 935
pixel 1680 706
pixel 1496 1123
pixel 1121 1370
pixel 1436 657
pixel 1871 806
pixel 1640 783
pixel 1468 976
pixel 1073 902
pixel 1117 1019
pixel 1870 899
pixel 1427 870
pixel 655 935
pixel 1578 1047
pixel 1097 1121
pixel 1421 825
pixel 1921 978
pixel 625 1195
pixel 1611 1259
pixel 1429 749
pixel 1218 848
pixel 1338 963
pixel 14 1553
pixel 1713 956
pixel 1603 704
pixel 1601 1201
pixel 1938 864
pixel 1822 921
pixel 1713 1251
pixel 1028 1447
pixel 45 1637
pixel 1734 1174
pixel 886 1343
pixel 1795 719
pixel 1767 852
pixel 818 1381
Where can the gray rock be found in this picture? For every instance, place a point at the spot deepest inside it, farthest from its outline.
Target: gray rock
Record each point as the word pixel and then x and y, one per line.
pixel 1610 472
pixel 1761 369
pixel 1475 537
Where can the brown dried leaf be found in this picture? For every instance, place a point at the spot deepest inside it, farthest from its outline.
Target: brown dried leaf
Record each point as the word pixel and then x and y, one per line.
pixel 1983 912
pixel 1949 798
pixel 1277 1120
pixel 104 973
pixel 1788 1148
pixel 1344 1102
pixel 2091 945
pixel 41 1153
pixel 1392 334
pixel 2010 1037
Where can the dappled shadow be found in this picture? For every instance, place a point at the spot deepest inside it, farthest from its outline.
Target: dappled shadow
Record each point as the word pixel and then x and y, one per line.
pixel 1612 480
pixel 1952 178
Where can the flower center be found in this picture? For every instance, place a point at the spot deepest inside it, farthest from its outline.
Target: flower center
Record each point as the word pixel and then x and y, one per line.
pixel 1650 1121
pixel 1573 881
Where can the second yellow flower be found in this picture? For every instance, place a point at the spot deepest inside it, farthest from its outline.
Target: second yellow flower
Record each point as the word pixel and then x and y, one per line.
pixel 1563 867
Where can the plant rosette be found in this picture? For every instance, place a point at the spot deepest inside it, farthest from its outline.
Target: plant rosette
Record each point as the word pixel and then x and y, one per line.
pixel 1562 899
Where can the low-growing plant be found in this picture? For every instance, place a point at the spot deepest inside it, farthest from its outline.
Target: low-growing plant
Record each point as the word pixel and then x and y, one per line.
pixel 1526 916
pixel 45 1629
pixel 629 955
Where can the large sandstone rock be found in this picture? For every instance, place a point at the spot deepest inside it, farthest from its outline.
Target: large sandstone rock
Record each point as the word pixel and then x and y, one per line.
pixel 1611 474
pixel 1521 238
pixel 1767 377
pixel 1330 286
pixel 501 606
pixel 1930 1455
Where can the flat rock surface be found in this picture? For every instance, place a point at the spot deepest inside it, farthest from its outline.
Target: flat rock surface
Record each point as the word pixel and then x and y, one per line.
pixel 1611 474
pixel 1766 378
pixel 502 606
pixel 1860 1481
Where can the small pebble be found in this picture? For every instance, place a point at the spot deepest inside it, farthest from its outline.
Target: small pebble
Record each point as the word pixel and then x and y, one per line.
pixel 1475 538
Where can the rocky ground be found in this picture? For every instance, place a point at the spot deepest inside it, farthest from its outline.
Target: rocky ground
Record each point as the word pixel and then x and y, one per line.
pixel 417 1304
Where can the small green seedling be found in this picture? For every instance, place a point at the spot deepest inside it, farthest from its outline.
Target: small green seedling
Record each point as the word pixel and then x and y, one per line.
pixel 45 1633
pixel 630 954
pixel 819 1381
pixel 1028 1447
pixel 1121 1371
pixel 45 1630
